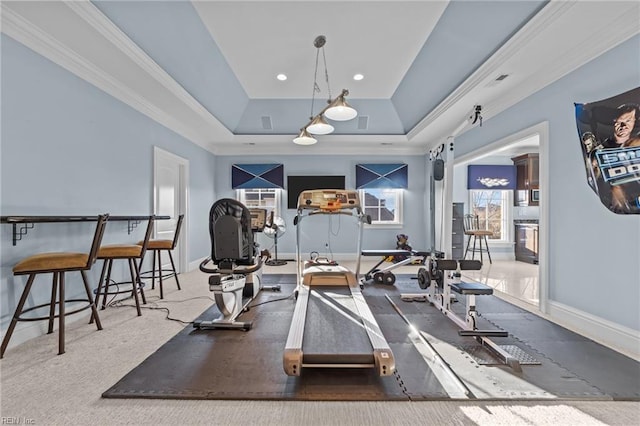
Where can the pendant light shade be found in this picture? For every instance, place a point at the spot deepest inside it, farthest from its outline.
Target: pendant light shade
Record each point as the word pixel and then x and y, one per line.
pixel 340 110
pixel 304 138
pixel 319 126
pixel 337 109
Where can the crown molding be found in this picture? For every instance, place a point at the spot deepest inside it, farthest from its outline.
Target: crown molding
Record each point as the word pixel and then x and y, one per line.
pixel 98 21
pixel 327 144
pixel 26 32
pixel 548 14
pixel 589 48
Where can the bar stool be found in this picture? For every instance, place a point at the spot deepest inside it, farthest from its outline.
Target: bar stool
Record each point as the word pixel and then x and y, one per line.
pixel 57 263
pixel 157 246
pixel 129 252
pixel 473 231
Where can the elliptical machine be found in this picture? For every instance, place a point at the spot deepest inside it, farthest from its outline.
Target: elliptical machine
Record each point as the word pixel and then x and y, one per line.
pixel 236 275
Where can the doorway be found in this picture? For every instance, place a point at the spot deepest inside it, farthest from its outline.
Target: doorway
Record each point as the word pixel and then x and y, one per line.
pixel 170 183
pixel 507 276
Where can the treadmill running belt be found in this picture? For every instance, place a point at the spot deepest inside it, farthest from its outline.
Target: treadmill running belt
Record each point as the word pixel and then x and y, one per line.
pixel 333 331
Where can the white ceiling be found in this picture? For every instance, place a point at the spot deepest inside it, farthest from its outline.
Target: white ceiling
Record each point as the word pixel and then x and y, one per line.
pixel 379 39
pixel 207 69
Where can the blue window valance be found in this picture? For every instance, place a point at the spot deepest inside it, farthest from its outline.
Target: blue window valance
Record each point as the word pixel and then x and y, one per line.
pixel 257 176
pixel 382 176
pixel 496 177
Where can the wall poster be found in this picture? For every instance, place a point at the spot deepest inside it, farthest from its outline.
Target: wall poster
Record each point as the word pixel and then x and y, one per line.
pixel 609 132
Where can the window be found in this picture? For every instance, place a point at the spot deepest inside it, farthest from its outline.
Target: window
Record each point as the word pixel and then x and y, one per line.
pixel 492 208
pixel 383 205
pixel 261 198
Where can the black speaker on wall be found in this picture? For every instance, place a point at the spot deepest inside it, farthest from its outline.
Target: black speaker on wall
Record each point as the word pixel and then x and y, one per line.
pixel 438 169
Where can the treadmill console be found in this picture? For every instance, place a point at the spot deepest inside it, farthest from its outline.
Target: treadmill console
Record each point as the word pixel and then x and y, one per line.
pixel 258 219
pixel 329 199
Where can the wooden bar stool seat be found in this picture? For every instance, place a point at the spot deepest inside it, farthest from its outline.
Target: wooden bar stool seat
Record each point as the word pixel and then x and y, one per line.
pixel 131 253
pixel 58 264
pixel 157 246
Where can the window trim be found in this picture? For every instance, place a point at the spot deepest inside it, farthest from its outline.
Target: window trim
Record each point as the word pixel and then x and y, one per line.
pixel 399 217
pixel 507 233
pixel 241 196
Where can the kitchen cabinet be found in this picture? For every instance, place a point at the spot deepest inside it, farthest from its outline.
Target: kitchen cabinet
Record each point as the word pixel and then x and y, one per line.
pixel 457 231
pixel 527 179
pixel 526 247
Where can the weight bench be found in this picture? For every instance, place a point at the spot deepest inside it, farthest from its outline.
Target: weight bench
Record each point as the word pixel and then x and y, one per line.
pixel 384 275
pixel 440 296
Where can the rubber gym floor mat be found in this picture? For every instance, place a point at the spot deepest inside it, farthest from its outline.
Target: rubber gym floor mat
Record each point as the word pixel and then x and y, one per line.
pixel 570 361
pixel 231 364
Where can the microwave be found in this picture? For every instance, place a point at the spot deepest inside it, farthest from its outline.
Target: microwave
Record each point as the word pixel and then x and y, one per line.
pixel 535 195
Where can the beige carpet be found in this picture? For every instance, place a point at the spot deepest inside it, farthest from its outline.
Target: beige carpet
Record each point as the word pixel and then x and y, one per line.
pixel 42 388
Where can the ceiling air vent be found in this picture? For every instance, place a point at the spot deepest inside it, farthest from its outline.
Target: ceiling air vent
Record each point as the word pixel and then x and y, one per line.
pixel 363 122
pixel 266 122
pixel 497 80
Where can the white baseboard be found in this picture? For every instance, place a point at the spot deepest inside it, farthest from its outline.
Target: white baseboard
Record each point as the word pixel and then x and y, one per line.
pixel 614 336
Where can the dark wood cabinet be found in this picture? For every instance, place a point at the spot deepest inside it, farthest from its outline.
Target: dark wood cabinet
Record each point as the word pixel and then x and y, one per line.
pixel 527 179
pixel 457 231
pixel 526 248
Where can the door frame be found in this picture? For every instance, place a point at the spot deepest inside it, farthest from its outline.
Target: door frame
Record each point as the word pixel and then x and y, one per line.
pixel 542 131
pixel 183 200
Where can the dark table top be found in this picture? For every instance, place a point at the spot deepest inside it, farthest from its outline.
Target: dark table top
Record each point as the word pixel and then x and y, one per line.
pixel 45 219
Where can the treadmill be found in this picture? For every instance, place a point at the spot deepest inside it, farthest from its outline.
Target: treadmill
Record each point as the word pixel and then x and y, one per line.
pixel 332 325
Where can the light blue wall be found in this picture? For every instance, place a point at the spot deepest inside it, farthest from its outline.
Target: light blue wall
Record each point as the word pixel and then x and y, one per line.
pixel 317 231
pixel 594 255
pixel 70 149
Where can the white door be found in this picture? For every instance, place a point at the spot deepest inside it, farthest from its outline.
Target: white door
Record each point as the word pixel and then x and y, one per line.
pixel 170 199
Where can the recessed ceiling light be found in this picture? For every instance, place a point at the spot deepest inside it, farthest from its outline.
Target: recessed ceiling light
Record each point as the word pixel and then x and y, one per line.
pixel 358 77
pixel 281 77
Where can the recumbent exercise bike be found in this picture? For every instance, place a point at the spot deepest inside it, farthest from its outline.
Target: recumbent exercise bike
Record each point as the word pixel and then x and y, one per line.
pixel 236 274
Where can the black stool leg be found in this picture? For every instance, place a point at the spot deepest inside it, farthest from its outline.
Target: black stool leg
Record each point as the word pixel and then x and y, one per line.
pixel 94 310
pixel 153 270
pixel 473 254
pixel 175 274
pixel 467 249
pixel 61 315
pixel 52 306
pixel 134 285
pixel 16 315
pixel 160 273
pixel 140 283
pixel 107 283
pixel 99 289
pixel 486 243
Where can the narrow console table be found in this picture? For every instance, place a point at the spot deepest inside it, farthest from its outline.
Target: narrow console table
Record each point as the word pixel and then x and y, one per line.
pixel 22 224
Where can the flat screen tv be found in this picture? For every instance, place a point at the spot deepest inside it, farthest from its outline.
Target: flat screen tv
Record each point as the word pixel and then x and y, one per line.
pixel 297 184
